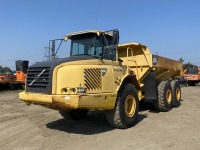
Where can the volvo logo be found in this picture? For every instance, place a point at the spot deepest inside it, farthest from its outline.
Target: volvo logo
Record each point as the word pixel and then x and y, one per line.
pixel 37 77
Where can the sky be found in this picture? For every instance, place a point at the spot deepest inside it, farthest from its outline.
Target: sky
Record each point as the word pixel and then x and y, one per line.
pixel 169 27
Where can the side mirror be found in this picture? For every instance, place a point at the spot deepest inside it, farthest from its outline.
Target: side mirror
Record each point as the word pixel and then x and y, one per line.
pixel 115 37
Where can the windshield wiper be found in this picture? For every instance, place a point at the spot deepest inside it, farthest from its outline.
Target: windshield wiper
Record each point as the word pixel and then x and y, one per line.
pixel 95 56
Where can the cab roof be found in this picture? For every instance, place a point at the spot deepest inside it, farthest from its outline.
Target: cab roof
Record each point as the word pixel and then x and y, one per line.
pixel 98 32
pixel 83 32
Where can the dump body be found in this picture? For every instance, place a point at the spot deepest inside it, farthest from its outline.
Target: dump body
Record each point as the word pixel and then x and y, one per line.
pixel 141 61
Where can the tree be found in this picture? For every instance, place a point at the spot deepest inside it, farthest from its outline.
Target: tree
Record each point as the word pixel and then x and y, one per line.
pixel 4 69
pixel 181 60
pixel 187 65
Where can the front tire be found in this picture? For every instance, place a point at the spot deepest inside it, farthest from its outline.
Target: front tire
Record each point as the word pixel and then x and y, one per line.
pixel 126 108
pixel 73 114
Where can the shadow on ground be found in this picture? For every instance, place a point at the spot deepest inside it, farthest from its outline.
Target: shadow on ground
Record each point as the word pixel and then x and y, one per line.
pixel 94 123
pixel 148 105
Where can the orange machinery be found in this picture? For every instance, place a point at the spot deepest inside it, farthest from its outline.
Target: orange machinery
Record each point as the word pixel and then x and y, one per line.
pixel 192 74
pixel 6 81
pixel 10 81
pixel 21 69
pixel 6 78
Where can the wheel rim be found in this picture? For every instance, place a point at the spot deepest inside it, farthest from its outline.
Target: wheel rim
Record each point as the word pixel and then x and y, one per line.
pixel 178 94
pixel 169 96
pixel 130 105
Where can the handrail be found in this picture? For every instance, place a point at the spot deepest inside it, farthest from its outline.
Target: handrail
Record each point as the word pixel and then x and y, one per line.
pixel 133 61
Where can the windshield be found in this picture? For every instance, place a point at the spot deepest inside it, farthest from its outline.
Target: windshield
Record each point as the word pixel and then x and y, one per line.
pixel 86 46
pixel 192 70
pixel 93 45
pixel 102 45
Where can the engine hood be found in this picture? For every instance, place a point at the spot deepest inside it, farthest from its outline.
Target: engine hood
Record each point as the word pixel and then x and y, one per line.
pixel 53 63
pixel 39 75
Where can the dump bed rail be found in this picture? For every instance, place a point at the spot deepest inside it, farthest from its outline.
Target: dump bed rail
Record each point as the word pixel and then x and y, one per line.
pixel 139 59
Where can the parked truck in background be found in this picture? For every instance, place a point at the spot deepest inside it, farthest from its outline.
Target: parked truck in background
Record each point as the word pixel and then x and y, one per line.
pixel 6 81
pixel 14 80
pixel 101 74
pixel 21 70
pixel 192 74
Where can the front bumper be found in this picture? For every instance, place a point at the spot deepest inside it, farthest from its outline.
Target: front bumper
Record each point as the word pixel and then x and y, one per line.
pixel 79 101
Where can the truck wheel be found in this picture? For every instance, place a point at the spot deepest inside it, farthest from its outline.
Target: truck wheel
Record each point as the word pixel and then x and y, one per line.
pixel 164 100
pixel 73 114
pixel 191 84
pixel 176 92
pixel 12 87
pixel 186 84
pixel 126 108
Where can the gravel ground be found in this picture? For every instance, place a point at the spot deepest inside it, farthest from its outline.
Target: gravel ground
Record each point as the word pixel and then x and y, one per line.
pixel 34 127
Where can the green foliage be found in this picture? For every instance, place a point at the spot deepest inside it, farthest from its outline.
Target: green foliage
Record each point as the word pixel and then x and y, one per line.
pixel 181 60
pixel 187 65
pixel 4 69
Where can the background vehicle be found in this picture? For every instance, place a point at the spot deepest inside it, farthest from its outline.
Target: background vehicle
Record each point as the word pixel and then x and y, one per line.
pixel 21 70
pixel 11 80
pixel 100 74
pixel 192 75
pixel 6 80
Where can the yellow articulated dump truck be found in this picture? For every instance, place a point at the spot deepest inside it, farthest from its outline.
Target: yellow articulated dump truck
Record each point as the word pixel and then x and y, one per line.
pixel 100 74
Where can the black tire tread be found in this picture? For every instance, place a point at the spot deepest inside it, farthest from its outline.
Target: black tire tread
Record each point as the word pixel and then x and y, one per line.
pixel 113 116
pixel 160 103
pixel 74 114
pixel 174 85
pixel 64 114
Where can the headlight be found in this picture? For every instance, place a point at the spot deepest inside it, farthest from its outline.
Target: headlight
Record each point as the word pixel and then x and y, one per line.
pixel 73 90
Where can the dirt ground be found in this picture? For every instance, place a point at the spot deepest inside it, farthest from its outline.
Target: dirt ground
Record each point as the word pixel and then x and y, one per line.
pixel 33 127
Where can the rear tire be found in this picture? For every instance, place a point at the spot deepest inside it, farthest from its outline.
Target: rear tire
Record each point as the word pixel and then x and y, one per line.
pixel 164 100
pixel 176 92
pixel 73 114
pixel 126 108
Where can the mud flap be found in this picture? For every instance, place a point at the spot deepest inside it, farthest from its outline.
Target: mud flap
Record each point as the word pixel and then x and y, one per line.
pixel 150 87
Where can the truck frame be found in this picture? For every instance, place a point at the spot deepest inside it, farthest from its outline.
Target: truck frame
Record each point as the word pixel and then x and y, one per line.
pixel 101 74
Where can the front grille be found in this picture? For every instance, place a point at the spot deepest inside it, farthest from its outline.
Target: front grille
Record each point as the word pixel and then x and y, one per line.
pixel 39 80
pixel 93 80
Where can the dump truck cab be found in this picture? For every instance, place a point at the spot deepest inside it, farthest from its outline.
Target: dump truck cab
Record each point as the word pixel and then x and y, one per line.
pixel 92 71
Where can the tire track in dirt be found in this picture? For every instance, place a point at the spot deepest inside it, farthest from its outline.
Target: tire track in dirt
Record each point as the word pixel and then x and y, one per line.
pixel 20 134
pixel 34 127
